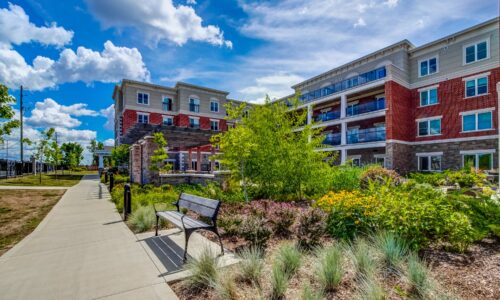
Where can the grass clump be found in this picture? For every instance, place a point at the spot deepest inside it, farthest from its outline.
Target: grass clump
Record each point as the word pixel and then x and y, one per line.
pixel 418 277
pixel 362 258
pixel 289 259
pixel 142 219
pixel 370 289
pixel 391 248
pixel 279 281
pixel 251 264
pixel 203 270
pixel 309 294
pixel 225 287
pixel 329 270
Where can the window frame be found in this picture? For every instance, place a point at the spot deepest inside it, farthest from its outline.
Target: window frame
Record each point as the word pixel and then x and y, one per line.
pixel 428 121
pixel 476 86
pixel 477 154
pixel 139 114
pixel 428 66
pixel 163 103
pixel 143 93
pixel 214 101
pixel 194 100
pixel 194 118
pixel 167 117
pixel 428 90
pixel 429 157
pixel 476 114
pixel 217 122
pixel 464 54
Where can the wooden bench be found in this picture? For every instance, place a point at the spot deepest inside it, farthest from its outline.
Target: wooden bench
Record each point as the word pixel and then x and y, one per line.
pixel 202 206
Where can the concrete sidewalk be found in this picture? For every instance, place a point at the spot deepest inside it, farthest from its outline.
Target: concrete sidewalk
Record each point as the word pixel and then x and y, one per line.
pixel 81 250
pixel 29 187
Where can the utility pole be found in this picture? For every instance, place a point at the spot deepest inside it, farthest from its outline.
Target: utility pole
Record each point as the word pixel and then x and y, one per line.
pixel 21 111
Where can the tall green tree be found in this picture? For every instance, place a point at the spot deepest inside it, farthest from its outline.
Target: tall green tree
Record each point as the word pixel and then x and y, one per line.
pixel 72 153
pixel 6 113
pixel 120 155
pixel 267 148
pixel 93 147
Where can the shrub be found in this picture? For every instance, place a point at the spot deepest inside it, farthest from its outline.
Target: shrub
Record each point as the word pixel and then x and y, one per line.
pixel 329 268
pixel 345 178
pixel 289 258
pixel 379 175
pixel 309 294
pixel 361 255
pixel 251 264
pixel 466 177
pixel 350 213
pixel 391 248
pixel 279 281
pixel 203 270
pixel 370 289
pixel 254 229
pixel 434 178
pixel 230 223
pixel 310 228
pixel 418 277
pixel 282 219
pixel 142 219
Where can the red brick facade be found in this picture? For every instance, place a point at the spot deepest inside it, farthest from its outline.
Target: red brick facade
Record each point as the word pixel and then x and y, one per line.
pixel 399 117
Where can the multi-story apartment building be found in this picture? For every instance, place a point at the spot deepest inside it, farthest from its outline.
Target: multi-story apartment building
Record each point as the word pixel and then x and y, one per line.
pixel 427 108
pixel 187 114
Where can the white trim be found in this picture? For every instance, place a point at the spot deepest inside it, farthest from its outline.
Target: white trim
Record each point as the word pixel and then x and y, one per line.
pixel 380 155
pixel 193 117
pixel 427 91
pixel 427 88
pixel 476 121
pixel 429 154
pixel 144 93
pixel 436 56
pixel 428 118
pixel 470 112
pixel 477 76
pixel 476 86
pixel 482 151
pixel 487 40
pixel 462 139
pixel 429 162
pixel 214 100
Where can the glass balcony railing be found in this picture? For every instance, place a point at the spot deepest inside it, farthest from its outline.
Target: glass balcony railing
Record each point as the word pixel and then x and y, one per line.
pixel 327 116
pixel 332 139
pixel 344 84
pixel 366 135
pixel 194 107
pixel 358 109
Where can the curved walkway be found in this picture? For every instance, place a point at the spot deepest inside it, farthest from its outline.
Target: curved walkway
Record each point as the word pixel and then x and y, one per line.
pixel 81 250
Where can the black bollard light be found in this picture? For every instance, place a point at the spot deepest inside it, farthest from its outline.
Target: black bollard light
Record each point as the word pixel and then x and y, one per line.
pixel 105 177
pixel 127 201
pixel 111 181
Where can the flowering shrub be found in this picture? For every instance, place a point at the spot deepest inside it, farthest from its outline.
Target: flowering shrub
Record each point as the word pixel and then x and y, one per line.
pixel 255 230
pixel 379 175
pixel 349 212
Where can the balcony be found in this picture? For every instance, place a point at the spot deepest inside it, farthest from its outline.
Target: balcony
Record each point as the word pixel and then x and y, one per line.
pixel 194 108
pixel 328 116
pixel 332 139
pixel 375 134
pixel 344 85
pixel 358 109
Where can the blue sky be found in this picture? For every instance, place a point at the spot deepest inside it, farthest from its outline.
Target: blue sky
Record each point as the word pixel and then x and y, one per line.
pixel 70 54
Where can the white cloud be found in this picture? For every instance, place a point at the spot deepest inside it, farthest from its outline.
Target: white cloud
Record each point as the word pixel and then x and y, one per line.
pixel 16 28
pixel 109 142
pixel 275 86
pixel 49 113
pixel 191 2
pixel 157 20
pixel 391 3
pixel 111 65
pixel 109 114
pixel 360 23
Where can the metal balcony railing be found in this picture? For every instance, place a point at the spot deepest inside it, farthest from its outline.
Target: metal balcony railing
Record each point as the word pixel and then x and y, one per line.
pixel 328 116
pixel 358 109
pixel 332 139
pixel 366 135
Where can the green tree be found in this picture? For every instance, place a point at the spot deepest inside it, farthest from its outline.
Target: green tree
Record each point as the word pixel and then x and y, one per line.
pixel 157 160
pixel 43 148
pixel 72 154
pixel 120 155
pixel 93 147
pixel 266 149
pixel 6 113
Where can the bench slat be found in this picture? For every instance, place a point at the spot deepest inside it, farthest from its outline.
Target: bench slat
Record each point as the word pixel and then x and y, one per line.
pixel 210 203
pixel 175 218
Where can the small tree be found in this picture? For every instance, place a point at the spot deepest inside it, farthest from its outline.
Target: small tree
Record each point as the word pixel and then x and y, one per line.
pixel 157 160
pixel 43 148
pixel 120 155
pixel 6 113
pixel 72 154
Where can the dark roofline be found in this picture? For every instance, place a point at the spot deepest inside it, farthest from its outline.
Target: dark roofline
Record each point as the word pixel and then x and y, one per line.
pixel 200 87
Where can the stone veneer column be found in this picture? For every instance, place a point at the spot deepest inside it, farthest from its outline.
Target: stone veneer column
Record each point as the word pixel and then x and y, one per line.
pixel 135 163
pixel 212 160
pixel 198 159
pixel 190 160
pixel 148 147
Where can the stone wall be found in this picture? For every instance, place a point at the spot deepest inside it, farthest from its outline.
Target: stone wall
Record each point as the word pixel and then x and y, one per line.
pixel 367 155
pixel 399 157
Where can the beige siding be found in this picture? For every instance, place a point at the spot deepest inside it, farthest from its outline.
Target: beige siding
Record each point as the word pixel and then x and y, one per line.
pixel 205 97
pixel 155 97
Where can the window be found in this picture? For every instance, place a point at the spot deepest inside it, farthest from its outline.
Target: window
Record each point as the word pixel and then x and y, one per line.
pixel 214 106
pixel 167 104
pixel 194 122
pixel 476 87
pixel 214 125
pixel 168 121
pixel 429 127
pixel 481 161
pixel 380 160
pixel 477 121
pixel 430 163
pixel 428 67
pixel 428 97
pixel 143 98
pixel 476 52
pixel 194 105
pixel 143 118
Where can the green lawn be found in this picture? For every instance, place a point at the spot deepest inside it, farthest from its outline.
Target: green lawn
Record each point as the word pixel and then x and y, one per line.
pixel 66 179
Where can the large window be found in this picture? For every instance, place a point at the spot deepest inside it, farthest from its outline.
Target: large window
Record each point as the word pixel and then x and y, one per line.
pixel 167 104
pixel 480 160
pixel 428 66
pixel 194 105
pixel 476 121
pixel 142 118
pixel 429 127
pixel 214 125
pixel 168 121
pixel 428 97
pixel 476 52
pixel 476 87
pixel 214 106
pixel 429 162
pixel 194 122
pixel 143 98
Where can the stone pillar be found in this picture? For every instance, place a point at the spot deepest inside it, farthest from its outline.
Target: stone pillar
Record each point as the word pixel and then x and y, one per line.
pixel 135 163
pixel 190 160
pixel 198 159
pixel 343 106
pixel 212 161
pixel 343 133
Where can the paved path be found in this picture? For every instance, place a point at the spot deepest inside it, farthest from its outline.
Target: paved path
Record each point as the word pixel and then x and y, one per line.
pixel 29 187
pixel 81 250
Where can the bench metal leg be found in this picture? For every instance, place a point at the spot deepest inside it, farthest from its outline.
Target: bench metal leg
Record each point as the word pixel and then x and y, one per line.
pixel 220 240
pixel 187 234
pixel 157 224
